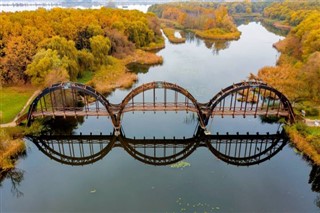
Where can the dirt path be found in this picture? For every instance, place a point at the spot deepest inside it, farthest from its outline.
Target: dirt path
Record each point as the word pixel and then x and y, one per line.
pixel 13 123
pixel 310 122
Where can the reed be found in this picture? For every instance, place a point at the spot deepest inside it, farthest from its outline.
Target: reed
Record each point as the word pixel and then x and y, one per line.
pixel 11 146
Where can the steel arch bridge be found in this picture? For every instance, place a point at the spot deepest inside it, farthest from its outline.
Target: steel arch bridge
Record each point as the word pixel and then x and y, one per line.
pixel 250 98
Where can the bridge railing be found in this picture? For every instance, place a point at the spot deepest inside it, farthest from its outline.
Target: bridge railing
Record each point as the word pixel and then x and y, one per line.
pixel 241 99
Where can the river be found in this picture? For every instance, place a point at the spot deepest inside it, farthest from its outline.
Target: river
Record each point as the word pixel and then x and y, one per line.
pixel 119 183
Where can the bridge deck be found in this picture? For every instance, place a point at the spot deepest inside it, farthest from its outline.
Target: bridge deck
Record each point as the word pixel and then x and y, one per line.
pixel 168 107
pixel 242 99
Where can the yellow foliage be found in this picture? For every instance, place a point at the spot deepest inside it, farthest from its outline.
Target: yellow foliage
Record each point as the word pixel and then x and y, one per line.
pixel 169 32
pixel 303 145
pixel 9 149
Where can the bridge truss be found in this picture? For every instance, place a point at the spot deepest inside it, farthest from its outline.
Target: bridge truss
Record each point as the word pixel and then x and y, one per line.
pixel 252 98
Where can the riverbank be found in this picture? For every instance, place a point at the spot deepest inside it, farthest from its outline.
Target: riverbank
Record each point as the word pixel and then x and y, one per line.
pixel 117 75
pixel 11 146
pixel 170 33
pixel 198 19
pixel 306 139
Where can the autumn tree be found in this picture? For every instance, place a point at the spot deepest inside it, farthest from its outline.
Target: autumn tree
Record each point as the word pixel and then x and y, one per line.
pixel 45 65
pixel 66 51
pixel 18 54
pixel 82 39
pixel 100 47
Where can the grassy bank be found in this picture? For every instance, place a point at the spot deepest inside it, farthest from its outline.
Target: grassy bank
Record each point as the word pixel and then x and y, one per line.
pixel 11 146
pixel 217 34
pixel 169 32
pixel 116 75
pixel 12 100
pixel 306 139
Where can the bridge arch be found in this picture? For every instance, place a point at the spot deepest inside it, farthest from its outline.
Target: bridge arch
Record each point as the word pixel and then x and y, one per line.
pixel 246 150
pixel 165 105
pixel 160 152
pixel 250 98
pixel 75 150
pixel 62 87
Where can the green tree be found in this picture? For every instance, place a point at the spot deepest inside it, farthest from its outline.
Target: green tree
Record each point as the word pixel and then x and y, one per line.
pixel 85 60
pixel 45 65
pixel 100 47
pixel 67 52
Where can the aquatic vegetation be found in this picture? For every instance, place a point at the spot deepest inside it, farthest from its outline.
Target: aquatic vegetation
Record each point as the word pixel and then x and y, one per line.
pixel 180 164
pixel 186 206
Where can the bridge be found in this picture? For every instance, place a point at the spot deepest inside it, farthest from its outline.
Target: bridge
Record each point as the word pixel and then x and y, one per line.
pixel 250 98
pixel 236 149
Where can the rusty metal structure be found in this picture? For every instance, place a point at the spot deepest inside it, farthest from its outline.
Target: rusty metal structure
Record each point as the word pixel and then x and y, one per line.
pixel 249 98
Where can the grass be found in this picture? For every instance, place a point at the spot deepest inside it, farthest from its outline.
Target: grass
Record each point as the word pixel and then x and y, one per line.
pixel 169 32
pixel 116 75
pixel 11 145
pixel 86 77
pixel 112 76
pixel 306 139
pixel 218 34
pixel 159 44
pixel 12 100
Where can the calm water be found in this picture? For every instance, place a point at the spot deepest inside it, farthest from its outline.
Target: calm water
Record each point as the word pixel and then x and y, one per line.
pixel 119 183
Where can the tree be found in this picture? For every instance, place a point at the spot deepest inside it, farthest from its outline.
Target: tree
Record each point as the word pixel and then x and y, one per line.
pixel 100 47
pixel 17 55
pixel 85 61
pixel 310 74
pixel 67 52
pixel 45 65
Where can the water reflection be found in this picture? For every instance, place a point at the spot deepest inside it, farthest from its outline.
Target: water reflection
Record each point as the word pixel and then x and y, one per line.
pixel 215 45
pixel 314 180
pixel 240 150
pixel 15 176
pixel 276 31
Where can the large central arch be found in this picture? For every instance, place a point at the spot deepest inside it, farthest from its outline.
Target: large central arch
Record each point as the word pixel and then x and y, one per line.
pixel 160 85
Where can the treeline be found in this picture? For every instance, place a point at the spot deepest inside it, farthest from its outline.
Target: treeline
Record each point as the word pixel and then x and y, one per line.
pixel 61 44
pixel 206 22
pixel 291 13
pixel 297 72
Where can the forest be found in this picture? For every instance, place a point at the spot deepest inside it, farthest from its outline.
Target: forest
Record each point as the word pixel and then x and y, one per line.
pixel 46 46
pixel 297 73
pixel 205 22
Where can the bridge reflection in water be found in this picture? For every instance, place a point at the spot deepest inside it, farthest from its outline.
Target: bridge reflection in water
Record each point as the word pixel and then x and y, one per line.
pixel 240 150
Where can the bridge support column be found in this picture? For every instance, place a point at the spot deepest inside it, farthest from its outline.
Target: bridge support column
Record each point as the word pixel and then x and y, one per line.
pixel 117 131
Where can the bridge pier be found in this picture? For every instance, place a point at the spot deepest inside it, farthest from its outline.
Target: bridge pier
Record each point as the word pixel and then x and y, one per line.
pixel 117 131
